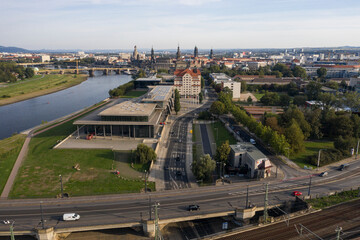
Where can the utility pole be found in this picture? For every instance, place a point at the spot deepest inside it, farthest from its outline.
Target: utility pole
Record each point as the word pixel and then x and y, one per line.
pixel 338 231
pixel 318 163
pixel 150 207
pixel 12 231
pixel 309 187
pixel 266 203
pixel 145 182
pixel 247 196
pixel 61 186
pixel 42 216
pixel 357 149
pixel 156 221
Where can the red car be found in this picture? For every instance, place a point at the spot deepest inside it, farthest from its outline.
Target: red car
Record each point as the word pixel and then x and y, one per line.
pixel 296 193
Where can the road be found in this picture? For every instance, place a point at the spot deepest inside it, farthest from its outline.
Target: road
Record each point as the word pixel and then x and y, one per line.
pixel 127 208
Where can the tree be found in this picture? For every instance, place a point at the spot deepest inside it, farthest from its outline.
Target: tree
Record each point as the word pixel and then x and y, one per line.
pixel 284 100
pixel 300 100
pixel 344 144
pixel 29 72
pixel 312 90
pixel 140 74
pixel 295 137
pixel 202 82
pixel 177 101
pixel 217 108
pixel 299 72
pixel 249 99
pixel 243 86
pixel 226 98
pixel 222 152
pixel 352 100
pixel 321 72
pixel 313 117
pixel 144 154
pixel 296 114
pixel 328 100
pixel 201 97
pixel 270 99
pixel 203 167
pixel 285 70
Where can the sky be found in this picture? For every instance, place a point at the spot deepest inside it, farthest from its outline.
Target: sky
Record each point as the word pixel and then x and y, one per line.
pixel 163 24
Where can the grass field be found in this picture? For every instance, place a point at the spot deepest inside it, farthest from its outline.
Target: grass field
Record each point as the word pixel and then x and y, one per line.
pixel 311 148
pixel 221 134
pixel 134 94
pixel 258 95
pixel 37 86
pixel 341 197
pixel 9 150
pixel 196 137
pixel 39 174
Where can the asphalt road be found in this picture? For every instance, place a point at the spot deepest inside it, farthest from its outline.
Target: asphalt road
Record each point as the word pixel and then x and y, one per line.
pixel 100 210
pixel 205 140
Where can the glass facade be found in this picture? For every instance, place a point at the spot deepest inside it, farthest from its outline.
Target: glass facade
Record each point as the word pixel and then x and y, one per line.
pixel 132 131
pixel 125 118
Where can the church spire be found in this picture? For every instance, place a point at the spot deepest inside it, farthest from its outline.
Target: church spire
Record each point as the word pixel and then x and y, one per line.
pixel 196 52
pixel 211 54
pixel 152 55
pixel 178 53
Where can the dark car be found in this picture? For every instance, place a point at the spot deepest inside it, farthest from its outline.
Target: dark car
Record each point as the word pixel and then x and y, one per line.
pixel 178 173
pixel 343 167
pixel 177 158
pixel 193 207
pixel 323 174
pixel 166 167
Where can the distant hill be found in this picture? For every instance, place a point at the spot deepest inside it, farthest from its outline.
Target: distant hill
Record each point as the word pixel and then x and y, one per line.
pixel 13 50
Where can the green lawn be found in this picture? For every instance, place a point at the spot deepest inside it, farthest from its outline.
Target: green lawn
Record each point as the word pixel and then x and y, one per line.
pixel 258 95
pixel 324 202
pixel 221 134
pixel 39 174
pixel 196 137
pixel 311 148
pixel 37 86
pixel 134 94
pixel 9 150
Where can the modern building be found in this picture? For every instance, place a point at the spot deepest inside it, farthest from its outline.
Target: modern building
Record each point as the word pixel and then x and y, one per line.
pixel 188 81
pixel 145 82
pixel 165 63
pixel 226 81
pixel 130 119
pixel 245 155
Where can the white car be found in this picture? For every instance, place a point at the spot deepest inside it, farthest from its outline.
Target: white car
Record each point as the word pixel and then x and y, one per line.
pixel 71 217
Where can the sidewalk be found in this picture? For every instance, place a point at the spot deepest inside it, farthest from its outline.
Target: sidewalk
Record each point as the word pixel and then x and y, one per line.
pixel 189 158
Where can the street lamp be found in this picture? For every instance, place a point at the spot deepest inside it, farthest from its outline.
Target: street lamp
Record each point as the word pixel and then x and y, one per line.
pixel 318 162
pixel 61 186
pixel 42 216
pixel 145 182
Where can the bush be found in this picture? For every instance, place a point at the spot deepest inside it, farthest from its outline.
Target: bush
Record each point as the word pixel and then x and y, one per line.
pixel 144 154
pixel 122 89
pixel 327 156
pixel 204 115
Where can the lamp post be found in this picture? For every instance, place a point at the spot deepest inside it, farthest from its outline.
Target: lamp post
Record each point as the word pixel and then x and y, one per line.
pixel 42 216
pixel 145 182
pixel 318 162
pixel 357 149
pixel 61 186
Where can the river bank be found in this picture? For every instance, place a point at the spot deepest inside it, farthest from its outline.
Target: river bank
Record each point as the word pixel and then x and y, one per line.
pixel 38 86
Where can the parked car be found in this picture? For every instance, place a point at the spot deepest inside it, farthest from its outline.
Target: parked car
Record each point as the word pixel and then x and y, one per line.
pixel 71 217
pixel 193 207
pixel 178 173
pixel 343 167
pixel 166 167
pixel 323 174
pixel 177 158
pixel 252 141
pixel 296 193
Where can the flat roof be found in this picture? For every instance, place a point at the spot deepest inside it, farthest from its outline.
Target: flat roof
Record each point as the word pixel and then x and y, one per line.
pixel 129 108
pixel 159 93
pixel 152 78
pixel 249 149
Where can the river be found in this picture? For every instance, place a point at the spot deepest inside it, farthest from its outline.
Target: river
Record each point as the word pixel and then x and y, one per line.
pixel 23 115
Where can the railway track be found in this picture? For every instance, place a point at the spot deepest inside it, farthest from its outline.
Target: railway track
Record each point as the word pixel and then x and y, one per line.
pixel 322 223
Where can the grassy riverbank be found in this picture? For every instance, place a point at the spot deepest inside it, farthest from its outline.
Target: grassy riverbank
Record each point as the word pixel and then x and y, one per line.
pixel 9 150
pixel 39 174
pixel 37 86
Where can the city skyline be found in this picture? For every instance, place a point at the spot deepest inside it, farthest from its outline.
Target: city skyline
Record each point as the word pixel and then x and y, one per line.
pixel 218 24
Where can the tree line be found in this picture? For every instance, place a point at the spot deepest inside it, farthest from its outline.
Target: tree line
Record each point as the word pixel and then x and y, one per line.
pixel 10 72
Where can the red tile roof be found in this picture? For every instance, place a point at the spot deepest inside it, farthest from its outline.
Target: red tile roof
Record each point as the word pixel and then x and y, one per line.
pixel 182 72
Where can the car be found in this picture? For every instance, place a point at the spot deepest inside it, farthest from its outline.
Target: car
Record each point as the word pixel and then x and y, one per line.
pixel 296 193
pixel 252 141
pixel 178 173
pixel 193 207
pixel 343 167
pixel 6 222
pixel 166 167
pixel 323 174
pixel 71 217
pixel 177 158
pixel 179 141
